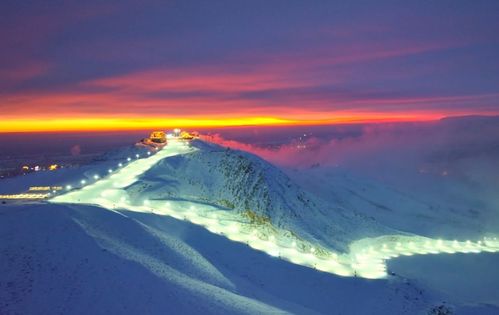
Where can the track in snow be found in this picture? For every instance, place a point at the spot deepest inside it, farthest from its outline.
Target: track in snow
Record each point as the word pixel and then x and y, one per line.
pixel 367 257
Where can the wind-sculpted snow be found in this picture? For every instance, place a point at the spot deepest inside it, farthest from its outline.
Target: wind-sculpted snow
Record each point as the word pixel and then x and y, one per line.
pixel 174 187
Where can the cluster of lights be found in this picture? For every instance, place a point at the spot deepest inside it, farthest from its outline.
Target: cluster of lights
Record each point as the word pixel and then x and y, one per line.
pixel 373 261
pixel 97 177
pixel 44 188
pixel 54 189
pixel 25 196
pixel 238 231
pixel 368 263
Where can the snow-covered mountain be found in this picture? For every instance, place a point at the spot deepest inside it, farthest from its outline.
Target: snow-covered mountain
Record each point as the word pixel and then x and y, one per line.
pixel 244 183
pixel 77 257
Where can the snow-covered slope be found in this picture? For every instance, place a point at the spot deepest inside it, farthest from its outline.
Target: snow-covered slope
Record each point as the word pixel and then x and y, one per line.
pixel 423 214
pixel 79 259
pixel 72 176
pixel 87 260
pixel 248 185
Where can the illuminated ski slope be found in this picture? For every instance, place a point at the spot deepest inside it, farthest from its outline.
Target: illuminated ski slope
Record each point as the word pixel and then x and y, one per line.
pixel 367 257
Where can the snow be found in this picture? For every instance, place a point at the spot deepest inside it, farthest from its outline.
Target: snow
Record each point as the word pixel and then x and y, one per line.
pixel 202 229
pixel 366 257
pixel 84 259
pixel 405 210
pixel 117 266
pixel 445 274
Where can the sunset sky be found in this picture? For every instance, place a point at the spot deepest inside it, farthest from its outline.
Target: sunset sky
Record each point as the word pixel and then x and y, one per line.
pixel 85 65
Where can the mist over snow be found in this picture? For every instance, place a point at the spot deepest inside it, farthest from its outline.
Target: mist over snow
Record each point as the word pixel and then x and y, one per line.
pixel 454 159
pixel 378 145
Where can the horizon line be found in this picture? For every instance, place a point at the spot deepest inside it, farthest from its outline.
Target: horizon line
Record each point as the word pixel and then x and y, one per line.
pixel 141 124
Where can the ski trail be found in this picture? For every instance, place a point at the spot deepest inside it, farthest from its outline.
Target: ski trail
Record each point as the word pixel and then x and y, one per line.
pixel 366 258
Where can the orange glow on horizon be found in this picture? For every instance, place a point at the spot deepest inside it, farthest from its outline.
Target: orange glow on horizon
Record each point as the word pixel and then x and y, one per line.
pixel 145 123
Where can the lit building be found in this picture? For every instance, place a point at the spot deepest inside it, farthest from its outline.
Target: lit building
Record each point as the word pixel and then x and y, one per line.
pixel 158 137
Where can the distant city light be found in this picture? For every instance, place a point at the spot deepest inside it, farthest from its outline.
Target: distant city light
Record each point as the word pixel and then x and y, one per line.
pixel 129 159
pixel 83 182
pixel 68 187
pixel 96 177
pixel 25 196
pixel 44 188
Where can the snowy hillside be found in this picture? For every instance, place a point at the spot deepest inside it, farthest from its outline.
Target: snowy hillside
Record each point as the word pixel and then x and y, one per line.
pixel 202 229
pixel 402 210
pixel 87 260
pixel 253 188
pixel 99 166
